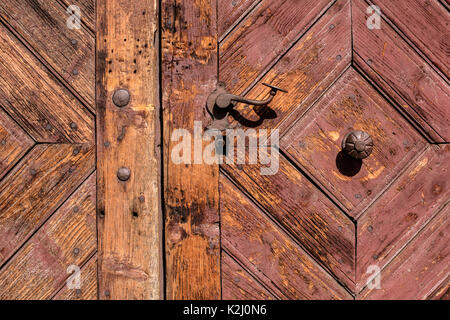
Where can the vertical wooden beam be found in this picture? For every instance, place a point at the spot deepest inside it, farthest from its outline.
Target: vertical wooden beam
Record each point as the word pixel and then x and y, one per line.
pixel 189 74
pixel 129 215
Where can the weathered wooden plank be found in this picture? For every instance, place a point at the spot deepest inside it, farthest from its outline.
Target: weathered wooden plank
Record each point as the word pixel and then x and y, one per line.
pixel 427 95
pixel 442 292
pixel 14 143
pixel 306 71
pixel 246 230
pixel 70 52
pixel 88 289
pixel 189 59
pixel 314 142
pixel 87 8
pixel 130 220
pixel 408 204
pixel 423 22
pixel 289 197
pixel 67 239
pixel 262 37
pixel 35 99
pixel 423 264
pixel 238 284
pixel 36 187
pixel 230 12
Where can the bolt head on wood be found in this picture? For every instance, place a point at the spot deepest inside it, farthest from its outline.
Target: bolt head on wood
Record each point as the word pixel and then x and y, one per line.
pixel 123 174
pixel 121 98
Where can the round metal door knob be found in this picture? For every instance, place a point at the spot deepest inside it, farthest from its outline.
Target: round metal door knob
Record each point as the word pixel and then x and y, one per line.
pixel 358 144
pixel 121 98
pixel 123 174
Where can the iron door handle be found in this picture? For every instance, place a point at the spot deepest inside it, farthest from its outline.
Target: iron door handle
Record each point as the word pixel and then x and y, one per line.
pixel 220 102
pixel 358 144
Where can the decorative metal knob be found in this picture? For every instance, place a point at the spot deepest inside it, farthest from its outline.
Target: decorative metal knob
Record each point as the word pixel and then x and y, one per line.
pixel 357 144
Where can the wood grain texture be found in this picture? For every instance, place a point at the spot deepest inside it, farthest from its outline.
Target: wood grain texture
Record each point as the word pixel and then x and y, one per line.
pixel 68 238
pixel 88 289
pixel 87 11
pixel 130 219
pixel 442 291
pixel 261 37
pixel 238 284
pixel 421 265
pixel 403 210
pixel 425 93
pixel 291 199
pixel 314 142
pixel 246 230
pixel 230 13
pixel 43 26
pixel 425 23
pixel 305 71
pixel 36 100
pixel 36 187
pixel 189 71
pixel 14 143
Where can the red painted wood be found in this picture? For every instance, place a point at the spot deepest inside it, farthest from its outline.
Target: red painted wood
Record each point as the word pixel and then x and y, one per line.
pixel 426 93
pixel 314 142
pixel 293 201
pixel 403 210
pixel 262 244
pixel 425 23
pixel 423 264
pixel 231 11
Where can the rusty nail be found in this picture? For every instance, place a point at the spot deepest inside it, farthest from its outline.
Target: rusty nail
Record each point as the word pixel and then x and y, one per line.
pixel 75 72
pixel 357 196
pixel 74 42
pixel 338 57
pixel 331 26
pixel 369 62
pixel 234 3
pixel 301 144
pixel 121 97
pixel 76 209
pixel 341 260
pixel 236 279
pixel 74 126
pixel 76 251
pixel 340 228
pixel 123 174
pixel 107 293
pixel 76 151
pixel 107 144
pixel 3 142
pixel 370 228
pixel 240 167
pixel 141 198
pixel 32 172
pixel 48 127
pixel 375 257
pixel 78 291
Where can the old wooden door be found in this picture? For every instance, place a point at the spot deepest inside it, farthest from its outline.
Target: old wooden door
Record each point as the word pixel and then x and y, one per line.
pixel 324 225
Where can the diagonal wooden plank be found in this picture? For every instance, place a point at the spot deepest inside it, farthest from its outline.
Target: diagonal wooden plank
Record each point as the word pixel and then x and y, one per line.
pixel 304 211
pixel 398 215
pixel 189 75
pixel 423 22
pixel 262 37
pixel 88 289
pixel 245 229
pixel 230 13
pixel 400 69
pixel 419 267
pixel 68 238
pixel 305 71
pixel 238 284
pixel 70 52
pixel 442 291
pixel 14 143
pixel 34 98
pixel 36 187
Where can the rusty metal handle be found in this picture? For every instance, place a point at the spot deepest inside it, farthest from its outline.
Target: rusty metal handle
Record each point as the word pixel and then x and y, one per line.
pixel 221 99
pixel 358 144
